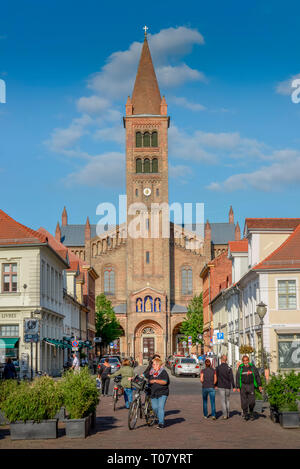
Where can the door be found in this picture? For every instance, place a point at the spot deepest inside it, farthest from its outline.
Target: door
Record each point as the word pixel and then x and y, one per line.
pixel 148 348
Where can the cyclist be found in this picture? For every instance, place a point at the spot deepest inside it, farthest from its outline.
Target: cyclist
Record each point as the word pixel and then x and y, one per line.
pixel 159 386
pixel 126 371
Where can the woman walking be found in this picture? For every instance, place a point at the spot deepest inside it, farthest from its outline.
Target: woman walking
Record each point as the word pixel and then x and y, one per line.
pixel 127 373
pixel 208 379
pixel 159 388
pixel 103 373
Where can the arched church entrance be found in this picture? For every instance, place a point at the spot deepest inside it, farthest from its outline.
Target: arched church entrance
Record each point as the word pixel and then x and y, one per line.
pixel 148 339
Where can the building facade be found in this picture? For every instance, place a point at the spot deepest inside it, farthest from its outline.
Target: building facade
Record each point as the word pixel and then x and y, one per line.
pixel 149 274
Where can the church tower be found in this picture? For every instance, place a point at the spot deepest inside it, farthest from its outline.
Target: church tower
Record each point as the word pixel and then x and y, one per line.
pixel 148 263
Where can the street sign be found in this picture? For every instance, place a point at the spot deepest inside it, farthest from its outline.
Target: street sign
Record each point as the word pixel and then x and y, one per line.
pixel 75 343
pixel 74 349
pixel 31 338
pixel 220 335
pixel 184 343
pixel 97 340
pixel 189 337
pixel 111 345
pixel 31 326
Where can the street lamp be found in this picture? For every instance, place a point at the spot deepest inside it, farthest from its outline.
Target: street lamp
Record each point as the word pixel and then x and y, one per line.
pixel 261 310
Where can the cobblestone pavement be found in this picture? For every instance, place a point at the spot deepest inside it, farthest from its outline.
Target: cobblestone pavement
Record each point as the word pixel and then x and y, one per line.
pixel 185 428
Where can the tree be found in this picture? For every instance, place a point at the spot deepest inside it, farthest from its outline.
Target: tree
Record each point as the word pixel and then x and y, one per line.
pixel 193 324
pixel 107 325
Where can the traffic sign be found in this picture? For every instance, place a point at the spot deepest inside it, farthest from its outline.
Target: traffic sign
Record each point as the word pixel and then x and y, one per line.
pixel 31 338
pixel 220 335
pixel 97 340
pixel 75 343
pixel 189 337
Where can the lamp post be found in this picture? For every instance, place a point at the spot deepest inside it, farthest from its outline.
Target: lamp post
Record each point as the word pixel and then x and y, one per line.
pixel 261 310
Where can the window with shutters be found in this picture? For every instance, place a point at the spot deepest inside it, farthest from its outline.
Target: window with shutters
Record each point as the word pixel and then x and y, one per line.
pixel 186 281
pixel 138 139
pixel 154 140
pixel 138 165
pixel 146 165
pixel 146 139
pixel 287 294
pixel 155 165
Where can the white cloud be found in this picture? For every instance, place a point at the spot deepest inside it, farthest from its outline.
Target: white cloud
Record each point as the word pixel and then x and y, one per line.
pixel 180 101
pixel 92 104
pixel 62 139
pixel 281 173
pixel 112 134
pixel 169 76
pixel 107 169
pixel 285 87
pixel 179 172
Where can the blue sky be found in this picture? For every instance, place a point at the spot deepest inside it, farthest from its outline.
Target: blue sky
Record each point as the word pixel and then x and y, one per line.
pixel 224 67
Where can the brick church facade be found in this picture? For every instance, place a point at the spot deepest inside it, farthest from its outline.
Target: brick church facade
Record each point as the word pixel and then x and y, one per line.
pixel 150 280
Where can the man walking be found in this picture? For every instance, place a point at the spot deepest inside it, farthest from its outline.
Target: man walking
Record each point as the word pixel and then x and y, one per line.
pixel 75 364
pixel 225 382
pixel 247 379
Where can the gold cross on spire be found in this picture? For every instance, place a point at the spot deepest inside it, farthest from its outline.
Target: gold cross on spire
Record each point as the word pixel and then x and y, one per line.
pixel 145 28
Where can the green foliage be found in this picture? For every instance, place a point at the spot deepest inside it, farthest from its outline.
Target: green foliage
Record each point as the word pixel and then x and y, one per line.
pixel 247 349
pixel 258 395
pixel 37 400
pixel 7 386
pixel 80 394
pixel 193 324
pixel 282 391
pixel 107 325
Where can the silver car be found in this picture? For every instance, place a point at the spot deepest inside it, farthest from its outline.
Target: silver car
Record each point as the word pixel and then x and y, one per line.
pixel 114 363
pixel 186 366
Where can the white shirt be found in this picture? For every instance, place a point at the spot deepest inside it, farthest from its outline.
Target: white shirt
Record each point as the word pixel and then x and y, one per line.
pixel 76 363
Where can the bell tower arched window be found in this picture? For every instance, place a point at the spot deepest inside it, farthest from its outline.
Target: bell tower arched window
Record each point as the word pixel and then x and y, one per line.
pixel 146 165
pixel 155 165
pixel 146 139
pixel 139 165
pixel 138 139
pixel 154 140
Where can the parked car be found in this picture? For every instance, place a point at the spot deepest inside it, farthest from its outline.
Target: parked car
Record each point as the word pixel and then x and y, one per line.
pixel 186 366
pixel 169 361
pixel 113 361
pixel 113 356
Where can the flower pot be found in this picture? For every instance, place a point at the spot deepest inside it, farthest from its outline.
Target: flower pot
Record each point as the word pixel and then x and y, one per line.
pixel 77 428
pixel 289 419
pixel 31 430
pixel 61 415
pixel 3 419
pixel 258 406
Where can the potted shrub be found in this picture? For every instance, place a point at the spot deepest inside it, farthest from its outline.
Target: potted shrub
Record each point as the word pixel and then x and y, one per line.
pixel 282 393
pixel 80 397
pixel 31 409
pixel 7 386
pixel 259 400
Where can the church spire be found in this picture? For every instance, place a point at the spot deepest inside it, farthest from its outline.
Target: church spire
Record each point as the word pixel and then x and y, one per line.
pixel 146 97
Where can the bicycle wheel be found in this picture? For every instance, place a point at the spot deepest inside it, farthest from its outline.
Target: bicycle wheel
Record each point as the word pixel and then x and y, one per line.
pixel 149 412
pixel 133 414
pixel 115 398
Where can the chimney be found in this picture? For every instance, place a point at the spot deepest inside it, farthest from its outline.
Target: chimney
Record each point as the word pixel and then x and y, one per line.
pixel 129 107
pixel 64 217
pixel 207 231
pixel 58 232
pixel 231 215
pixel 237 232
pixel 207 241
pixel 87 231
pixel 163 107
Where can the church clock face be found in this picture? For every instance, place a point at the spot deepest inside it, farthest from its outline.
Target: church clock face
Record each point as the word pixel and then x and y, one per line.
pixel 147 191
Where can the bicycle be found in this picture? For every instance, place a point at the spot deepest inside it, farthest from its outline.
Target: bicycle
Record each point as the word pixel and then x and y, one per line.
pixel 118 390
pixel 137 407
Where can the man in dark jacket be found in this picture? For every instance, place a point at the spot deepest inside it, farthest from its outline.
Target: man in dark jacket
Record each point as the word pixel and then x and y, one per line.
pixel 225 382
pixel 9 370
pixel 247 379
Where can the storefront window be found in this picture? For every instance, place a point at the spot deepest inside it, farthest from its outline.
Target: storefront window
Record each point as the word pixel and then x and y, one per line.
pixel 288 351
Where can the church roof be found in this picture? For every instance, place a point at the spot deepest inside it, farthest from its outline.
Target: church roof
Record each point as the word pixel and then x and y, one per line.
pixel 74 235
pixel 146 97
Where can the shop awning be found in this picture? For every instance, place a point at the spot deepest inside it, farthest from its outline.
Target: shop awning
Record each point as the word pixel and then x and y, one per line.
pixel 57 343
pixel 8 342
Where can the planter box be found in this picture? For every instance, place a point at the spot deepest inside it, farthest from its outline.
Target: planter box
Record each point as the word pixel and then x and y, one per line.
pixel 92 420
pixel 289 419
pixel 258 406
pixel 77 428
pixel 274 415
pixel 31 430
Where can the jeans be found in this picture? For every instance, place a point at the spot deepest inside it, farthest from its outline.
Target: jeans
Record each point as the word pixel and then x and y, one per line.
pixel 224 397
pixel 127 397
pixel 158 405
pixel 211 393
